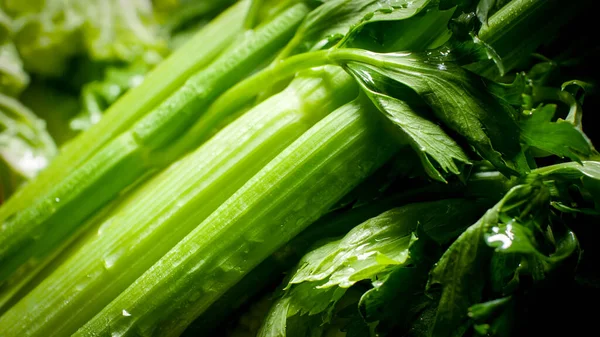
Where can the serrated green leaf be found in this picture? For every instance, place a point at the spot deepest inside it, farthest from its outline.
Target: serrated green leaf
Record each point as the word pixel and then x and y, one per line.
pixel 431 143
pixel 458 98
pixel 460 273
pixel 513 92
pixel 404 284
pixel 514 237
pixel 369 250
pixel 564 178
pixel 559 138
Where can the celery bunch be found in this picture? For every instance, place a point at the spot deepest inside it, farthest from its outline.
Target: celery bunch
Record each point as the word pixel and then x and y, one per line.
pixel 359 140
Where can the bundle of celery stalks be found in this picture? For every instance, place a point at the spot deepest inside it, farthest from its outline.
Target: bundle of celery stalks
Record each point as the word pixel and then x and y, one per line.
pixel 296 168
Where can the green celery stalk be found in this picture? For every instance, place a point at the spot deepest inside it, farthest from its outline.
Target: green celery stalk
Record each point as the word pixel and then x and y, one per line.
pixel 164 210
pixel 270 271
pixel 35 231
pixel 480 186
pixel 286 196
pixel 158 84
pixel 168 120
pixel 517 29
pixel 21 283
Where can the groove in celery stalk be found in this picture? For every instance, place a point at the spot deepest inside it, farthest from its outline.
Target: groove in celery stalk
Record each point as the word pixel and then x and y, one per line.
pixel 23 283
pixel 202 49
pixel 157 85
pixel 286 196
pixel 164 210
pixel 174 115
pixel 36 230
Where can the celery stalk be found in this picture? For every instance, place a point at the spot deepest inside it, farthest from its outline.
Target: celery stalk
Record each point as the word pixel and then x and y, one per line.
pixel 271 270
pixel 168 207
pixel 161 82
pixel 158 84
pixel 290 193
pixel 504 31
pixel 174 115
pixel 35 231
pixel 479 187
pixel 21 283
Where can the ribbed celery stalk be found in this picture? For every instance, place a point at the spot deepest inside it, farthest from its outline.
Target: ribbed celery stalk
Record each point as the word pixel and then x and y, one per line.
pixel 169 206
pixel 39 228
pixel 21 283
pixel 286 196
pixel 158 84
pixel 480 187
pixel 270 271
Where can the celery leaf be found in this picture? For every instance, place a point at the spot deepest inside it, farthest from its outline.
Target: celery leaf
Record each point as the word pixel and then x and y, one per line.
pixel 333 20
pixel 560 138
pixel 370 250
pixel 458 98
pixel 433 146
pixel 460 274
